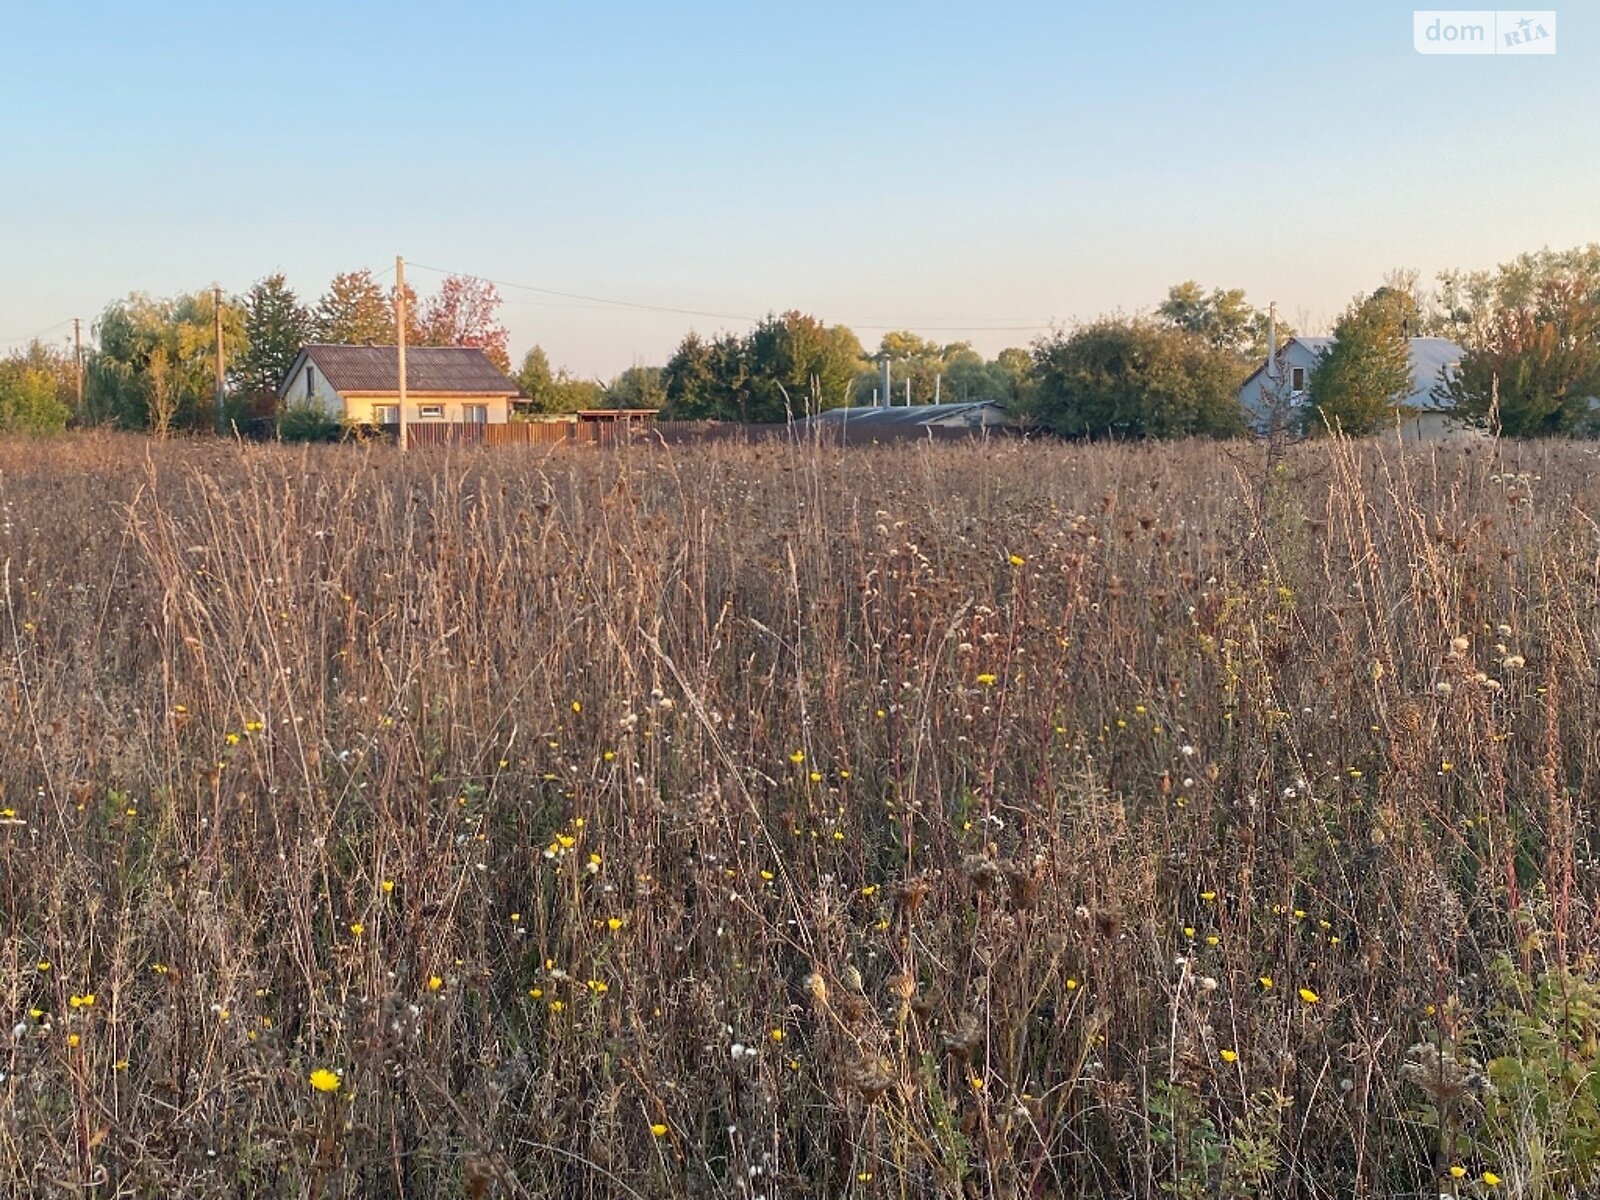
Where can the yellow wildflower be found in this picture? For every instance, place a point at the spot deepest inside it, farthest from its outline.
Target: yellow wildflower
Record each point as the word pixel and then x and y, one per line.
pixel 324 1080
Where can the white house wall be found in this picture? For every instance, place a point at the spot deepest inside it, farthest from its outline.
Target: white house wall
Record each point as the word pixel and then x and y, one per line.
pixel 322 395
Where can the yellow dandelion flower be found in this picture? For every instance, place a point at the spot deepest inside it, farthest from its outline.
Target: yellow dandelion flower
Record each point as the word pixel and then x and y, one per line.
pixel 387 885
pixel 577 706
pixel 1490 1179
pixel 1458 1172
pixel 1229 1056
pixel 988 680
pixel 357 928
pixel 1309 996
pixel 1266 982
pixel 798 757
pixel 658 1130
pixel 614 924
pixel 777 1035
pixel 74 1040
pixel 435 983
pixel 44 965
pixel 1017 560
pixel 324 1080
pixel 1208 897
pixel 768 876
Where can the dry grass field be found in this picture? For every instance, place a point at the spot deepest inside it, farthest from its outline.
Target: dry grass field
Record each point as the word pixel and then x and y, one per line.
pixel 933 821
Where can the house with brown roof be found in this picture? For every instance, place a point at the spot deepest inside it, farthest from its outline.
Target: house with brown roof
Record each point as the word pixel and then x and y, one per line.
pixel 360 385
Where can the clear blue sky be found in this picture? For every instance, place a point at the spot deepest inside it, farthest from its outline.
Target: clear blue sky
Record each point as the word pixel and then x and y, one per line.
pixel 947 167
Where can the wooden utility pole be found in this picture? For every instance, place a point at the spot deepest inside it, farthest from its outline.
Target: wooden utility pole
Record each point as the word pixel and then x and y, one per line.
pixel 400 337
pixel 77 360
pixel 216 305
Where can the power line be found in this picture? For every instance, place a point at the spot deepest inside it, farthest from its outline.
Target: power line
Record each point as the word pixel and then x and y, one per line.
pixel 544 291
pixel 694 312
pixel 33 336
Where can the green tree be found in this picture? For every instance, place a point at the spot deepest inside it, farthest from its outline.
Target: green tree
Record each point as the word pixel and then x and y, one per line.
pixel 356 311
pixel 1534 369
pixel 1360 383
pixel 1013 370
pixel 276 326
pixel 787 366
pixel 1222 317
pixel 1134 378
pixel 700 379
pixel 569 393
pixel 637 387
pixel 795 365
pixel 176 340
pixel 30 398
pixel 536 379
pixel 1471 300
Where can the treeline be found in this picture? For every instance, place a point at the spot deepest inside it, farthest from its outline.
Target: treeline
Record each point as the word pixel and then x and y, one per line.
pixel 1529 330
pixel 153 363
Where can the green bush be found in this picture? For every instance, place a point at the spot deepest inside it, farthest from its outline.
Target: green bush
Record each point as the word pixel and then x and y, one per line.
pixel 304 423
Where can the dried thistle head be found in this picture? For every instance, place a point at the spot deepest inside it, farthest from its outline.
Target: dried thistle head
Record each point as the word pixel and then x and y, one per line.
pixel 909 894
pixel 1025 884
pixel 1441 1076
pixel 962 1038
pixel 817 988
pixel 872 1075
pixel 980 872
pixel 903 986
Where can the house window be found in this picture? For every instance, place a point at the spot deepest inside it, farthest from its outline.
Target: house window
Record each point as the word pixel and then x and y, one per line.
pixel 386 414
pixel 311 382
pixel 475 414
pixel 431 412
pixel 1297 379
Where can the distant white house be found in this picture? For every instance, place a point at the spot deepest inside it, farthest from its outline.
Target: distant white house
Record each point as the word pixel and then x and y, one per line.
pixel 1289 377
pixel 361 385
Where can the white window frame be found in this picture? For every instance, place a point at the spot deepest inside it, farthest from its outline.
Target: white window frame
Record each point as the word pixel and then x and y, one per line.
pixel 430 412
pixel 311 382
pixel 475 414
pixel 386 414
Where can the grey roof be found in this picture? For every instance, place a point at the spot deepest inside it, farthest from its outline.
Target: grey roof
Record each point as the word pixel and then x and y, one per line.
pixel 431 370
pixel 1429 356
pixel 905 414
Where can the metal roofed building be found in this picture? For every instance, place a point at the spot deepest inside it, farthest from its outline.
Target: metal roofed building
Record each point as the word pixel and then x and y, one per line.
pixel 912 420
pixel 1432 358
